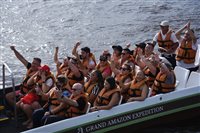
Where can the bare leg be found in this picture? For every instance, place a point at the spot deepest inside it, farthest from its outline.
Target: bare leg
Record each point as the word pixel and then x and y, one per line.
pixel 35 105
pixel 28 111
pixel 10 98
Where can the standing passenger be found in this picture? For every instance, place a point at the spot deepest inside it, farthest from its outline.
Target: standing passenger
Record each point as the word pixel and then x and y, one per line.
pixel 167 42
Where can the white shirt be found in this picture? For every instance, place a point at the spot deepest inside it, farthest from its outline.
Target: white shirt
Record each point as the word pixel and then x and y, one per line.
pixel 172 38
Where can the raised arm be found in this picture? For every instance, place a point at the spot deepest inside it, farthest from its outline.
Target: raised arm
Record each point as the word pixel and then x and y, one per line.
pixel 19 56
pixel 56 55
pixel 178 32
pixel 74 51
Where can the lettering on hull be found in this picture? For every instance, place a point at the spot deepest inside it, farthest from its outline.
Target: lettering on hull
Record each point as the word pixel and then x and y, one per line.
pixel 119 120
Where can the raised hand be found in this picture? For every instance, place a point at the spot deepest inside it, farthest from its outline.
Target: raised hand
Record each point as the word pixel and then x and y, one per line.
pixel 12 48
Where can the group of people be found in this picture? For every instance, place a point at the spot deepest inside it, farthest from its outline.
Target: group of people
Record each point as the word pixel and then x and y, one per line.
pixel 123 75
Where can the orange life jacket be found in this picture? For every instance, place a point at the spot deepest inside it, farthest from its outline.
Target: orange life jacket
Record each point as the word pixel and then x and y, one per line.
pixel 160 86
pixel 186 53
pixel 104 96
pixel 150 76
pixel 53 102
pixel 135 88
pixel 88 87
pixel 123 78
pixel 74 111
pixel 73 79
pixel 24 87
pixel 167 43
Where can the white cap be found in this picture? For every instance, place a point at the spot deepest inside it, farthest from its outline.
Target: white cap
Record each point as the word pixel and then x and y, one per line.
pixel 164 23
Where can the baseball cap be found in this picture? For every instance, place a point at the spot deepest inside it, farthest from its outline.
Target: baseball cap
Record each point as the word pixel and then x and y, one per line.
pixel 44 68
pixel 128 50
pixel 164 23
pixel 117 47
pixel 142 45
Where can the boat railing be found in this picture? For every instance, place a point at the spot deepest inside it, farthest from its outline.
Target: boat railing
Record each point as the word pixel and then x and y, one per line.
pixel 4 68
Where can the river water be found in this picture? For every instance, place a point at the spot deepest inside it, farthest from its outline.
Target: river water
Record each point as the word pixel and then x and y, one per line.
pixel 36 27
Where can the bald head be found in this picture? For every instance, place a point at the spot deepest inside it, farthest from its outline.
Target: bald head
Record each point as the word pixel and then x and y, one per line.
pixel 77 86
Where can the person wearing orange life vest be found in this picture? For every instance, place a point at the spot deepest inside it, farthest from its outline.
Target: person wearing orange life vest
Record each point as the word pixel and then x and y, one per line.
pixel 60 66
pixel 140 48
pixel 108 97
pixel 186 52
pixel 32 68
pixel 123 74
pixel 136 90
pixel 126 57
pixel 104 67
pixel 165 80
pixel 53 108
pixel 116 55
pixel 73 73
pixel 149 65
pixel 86 59
pixel 167 42
pixel 44 80
pixel 94 85
pixel 76 104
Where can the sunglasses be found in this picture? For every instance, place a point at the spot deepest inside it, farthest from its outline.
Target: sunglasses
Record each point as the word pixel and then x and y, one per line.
pixel 102 59
pixel 73 89
pixel 124 69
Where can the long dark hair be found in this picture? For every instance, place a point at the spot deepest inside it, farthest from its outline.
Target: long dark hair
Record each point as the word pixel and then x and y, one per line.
pixel 100 79
pixel 111 81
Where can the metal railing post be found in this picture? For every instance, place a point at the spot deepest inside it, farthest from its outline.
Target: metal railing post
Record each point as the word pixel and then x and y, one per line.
pixel 13 88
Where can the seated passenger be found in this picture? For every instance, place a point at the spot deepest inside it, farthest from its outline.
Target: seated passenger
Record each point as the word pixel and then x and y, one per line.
pixel 124 74
pixel 136 90
pixel 94 85
pixel 108 97
pixel 116 55
pixel 60 66
pixel 165 80
pixel 53 108
pixel 73 73
pixel 87 59
pixel 32 68
pixel 126 57
pixel 76 104
pixel 104 67
pixel 42 80
pixel 186 52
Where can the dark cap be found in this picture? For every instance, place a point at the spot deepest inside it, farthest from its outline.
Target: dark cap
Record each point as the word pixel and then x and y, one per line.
pixel 86 49
pixel 103 58
pixel 128 51
pixel 117 47
pixel 142 45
